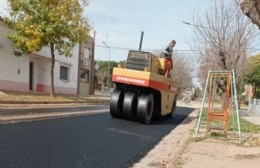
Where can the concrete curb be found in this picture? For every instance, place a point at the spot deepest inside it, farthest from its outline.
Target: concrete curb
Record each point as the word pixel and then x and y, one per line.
pixel 90 100
pixel 44 116
pixel 22 111
pixel 11 114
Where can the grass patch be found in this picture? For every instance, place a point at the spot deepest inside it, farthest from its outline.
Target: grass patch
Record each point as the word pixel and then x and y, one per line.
pixel 218 134
pixel 248 126
pixel 245 126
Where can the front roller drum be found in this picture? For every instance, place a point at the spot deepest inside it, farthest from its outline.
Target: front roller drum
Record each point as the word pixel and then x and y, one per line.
pixel 145 107
pixel 116 103
pixel 130 105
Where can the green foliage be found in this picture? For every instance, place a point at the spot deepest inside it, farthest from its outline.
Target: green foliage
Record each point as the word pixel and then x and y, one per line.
pixel 257 93
pixel 40 23
pixel 245 126
pixel 217 135
pixel 103 65
pixel 252 70
pixel 122 63
pixel 102 71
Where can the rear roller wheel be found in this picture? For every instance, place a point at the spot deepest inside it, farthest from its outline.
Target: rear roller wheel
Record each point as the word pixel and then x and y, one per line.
pixel 130 105
pixel 116 101
pixel 173 108
pixel 145 108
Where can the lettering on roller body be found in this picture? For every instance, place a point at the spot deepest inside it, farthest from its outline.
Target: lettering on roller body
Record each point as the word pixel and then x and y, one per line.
pixel 130 80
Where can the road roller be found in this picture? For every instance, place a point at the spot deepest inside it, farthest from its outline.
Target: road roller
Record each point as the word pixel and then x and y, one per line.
pixel 142 92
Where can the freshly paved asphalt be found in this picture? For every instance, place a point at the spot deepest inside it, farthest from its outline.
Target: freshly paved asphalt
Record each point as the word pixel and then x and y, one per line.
pixel 92 141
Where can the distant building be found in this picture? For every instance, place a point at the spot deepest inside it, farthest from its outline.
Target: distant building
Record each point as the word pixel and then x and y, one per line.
pixel 32 72
pixel 86 68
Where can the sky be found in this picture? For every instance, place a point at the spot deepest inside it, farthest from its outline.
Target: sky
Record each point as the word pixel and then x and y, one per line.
pixel 119 24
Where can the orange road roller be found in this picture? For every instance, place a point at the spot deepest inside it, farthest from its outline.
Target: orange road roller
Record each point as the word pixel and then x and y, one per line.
pixel 142 91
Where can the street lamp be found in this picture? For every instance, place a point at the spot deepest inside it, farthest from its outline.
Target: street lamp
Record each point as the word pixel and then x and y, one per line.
pixel 204 27
pixel 214 91
pixel 108 68
pixel 190 24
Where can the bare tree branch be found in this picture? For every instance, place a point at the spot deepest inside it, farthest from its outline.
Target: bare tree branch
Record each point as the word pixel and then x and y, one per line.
pixel 222 37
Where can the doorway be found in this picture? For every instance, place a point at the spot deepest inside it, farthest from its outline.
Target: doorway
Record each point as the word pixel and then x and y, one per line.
pixel 31 76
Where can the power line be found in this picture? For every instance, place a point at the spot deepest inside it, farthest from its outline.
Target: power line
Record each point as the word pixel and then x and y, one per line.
pixel 117 48
pixel 155 50
pixel 126 48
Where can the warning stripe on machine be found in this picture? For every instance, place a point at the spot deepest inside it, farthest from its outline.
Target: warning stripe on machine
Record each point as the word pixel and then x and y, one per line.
pixel 143 82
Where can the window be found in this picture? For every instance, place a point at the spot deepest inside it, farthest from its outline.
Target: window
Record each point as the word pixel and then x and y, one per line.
pixel 86 53
pixel 83 61
pixel 84 75
pixel 64 73
pixel 84 57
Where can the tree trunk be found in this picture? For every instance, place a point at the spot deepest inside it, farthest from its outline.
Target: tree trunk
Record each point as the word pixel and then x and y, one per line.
pixel 52 70
pixel 251 8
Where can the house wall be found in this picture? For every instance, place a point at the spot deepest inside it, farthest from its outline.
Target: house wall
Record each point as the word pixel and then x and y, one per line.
pixel 42 71
pixel 84 87
pixel 86 53
pixel 13 70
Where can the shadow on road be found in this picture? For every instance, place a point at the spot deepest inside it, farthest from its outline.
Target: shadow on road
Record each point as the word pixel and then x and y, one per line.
pixel 89 141
pixel 177 117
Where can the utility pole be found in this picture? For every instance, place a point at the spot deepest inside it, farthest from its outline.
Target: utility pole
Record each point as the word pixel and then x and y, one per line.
pixel 108 68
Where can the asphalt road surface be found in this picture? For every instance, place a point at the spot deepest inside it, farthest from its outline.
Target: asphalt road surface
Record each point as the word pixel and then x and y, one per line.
pixel 91 141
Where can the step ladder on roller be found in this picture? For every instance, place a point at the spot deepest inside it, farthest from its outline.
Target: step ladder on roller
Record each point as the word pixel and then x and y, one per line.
pixel 220 96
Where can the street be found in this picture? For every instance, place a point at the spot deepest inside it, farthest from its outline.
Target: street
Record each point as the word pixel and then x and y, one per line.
pixel 95 140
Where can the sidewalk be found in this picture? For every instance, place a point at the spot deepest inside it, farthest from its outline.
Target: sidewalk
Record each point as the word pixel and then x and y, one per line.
pixel 21 110
pixel 249 116
pixel 99 101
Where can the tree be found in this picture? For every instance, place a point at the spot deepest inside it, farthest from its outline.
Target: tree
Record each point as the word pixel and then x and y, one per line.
pixel 181 70
pixel 251 8
pixel 59 25
pixel 122 63
pixel 252 71
pixel 222 37
pixel 102 72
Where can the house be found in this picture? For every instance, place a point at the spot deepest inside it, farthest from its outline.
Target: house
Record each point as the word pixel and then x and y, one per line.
pixel 86 67
pixel 32 72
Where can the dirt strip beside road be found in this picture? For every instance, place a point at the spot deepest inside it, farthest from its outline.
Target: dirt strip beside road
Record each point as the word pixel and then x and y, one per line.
pixel 163 154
